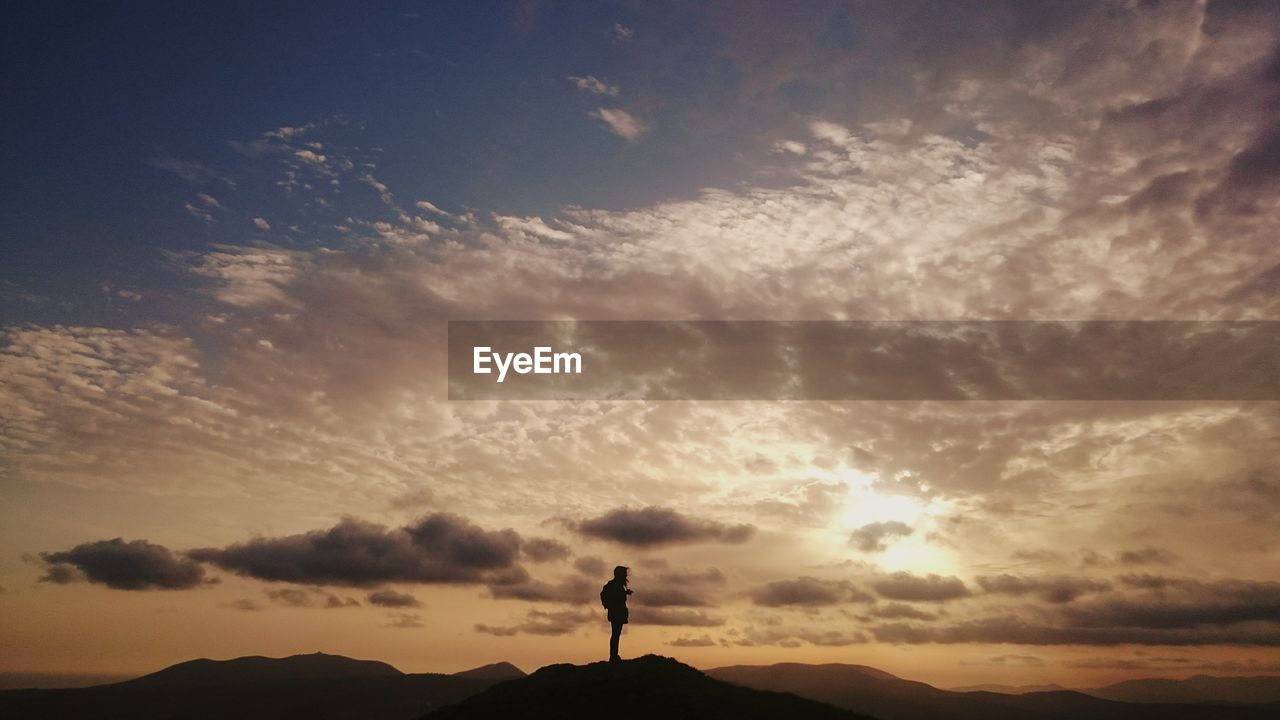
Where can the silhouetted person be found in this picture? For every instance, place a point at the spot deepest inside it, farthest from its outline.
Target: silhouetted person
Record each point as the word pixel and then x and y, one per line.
pixel 614 597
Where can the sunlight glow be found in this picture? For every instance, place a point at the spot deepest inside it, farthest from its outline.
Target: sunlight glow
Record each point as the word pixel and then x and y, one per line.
pixel 865 505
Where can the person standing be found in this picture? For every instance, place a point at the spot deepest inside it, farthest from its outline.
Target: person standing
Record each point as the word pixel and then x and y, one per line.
pixel 613 596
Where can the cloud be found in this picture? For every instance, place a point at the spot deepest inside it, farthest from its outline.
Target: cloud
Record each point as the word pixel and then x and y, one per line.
pixel 806 592
pixel 1188 604
pixel 808 503
pixel 791 637
pixel 439 548
pixel 1050 589
pixel 594 85
pixel 692 642
pixel 1012 630
pixel 930 588
pixel 1146 556
pixel 390 598
pixel 643 615
pixel 572 590
pixel 404 621
pixel 541 622
pixel 1008 660
pixel 900 611
pixel 248 276
pixel 620 34
pixel 653 526
pixel 136 565
pixel 261 223
pixel 310 598
pixel 590 565
pixel 188 170
pixel 683 589
pixel 545 550
pixel 620 123
pixel 431 208
pixel 875 537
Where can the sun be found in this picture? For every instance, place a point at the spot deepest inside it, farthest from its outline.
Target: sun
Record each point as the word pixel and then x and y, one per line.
pixel 864 505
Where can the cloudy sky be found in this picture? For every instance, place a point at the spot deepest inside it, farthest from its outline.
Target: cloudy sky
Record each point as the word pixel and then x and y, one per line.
pixel 231 237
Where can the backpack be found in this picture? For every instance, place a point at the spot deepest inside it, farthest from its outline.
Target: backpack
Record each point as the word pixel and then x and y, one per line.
pixel 604 595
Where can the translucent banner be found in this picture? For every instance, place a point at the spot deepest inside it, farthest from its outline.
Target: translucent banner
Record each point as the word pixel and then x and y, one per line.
pixel 864 360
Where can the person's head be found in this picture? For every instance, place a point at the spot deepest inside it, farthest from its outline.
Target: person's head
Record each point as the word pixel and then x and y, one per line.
pixel 620 573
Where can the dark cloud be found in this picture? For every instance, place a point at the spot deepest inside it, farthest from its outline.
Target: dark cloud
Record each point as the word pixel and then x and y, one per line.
pixel 1049 589
pixel 1155 611
pixel 1012 630
pixel 642 615
pixel 136 565
pixel 440 548
pixel 1191 605
pixel 900 611
pixel 1155 582
pixel 931 588
pixel 540 622
pixel 653 526
pixel 404 621
pixel 390 598
pixel 877 536
pixel 796 637
pixel 544 550
pixel 310 598
pixel 571 590
pixel 1146 556
pixel 806 592
pixel 590 566
pixel 689 642
pixel 1008 660
pixel 682 589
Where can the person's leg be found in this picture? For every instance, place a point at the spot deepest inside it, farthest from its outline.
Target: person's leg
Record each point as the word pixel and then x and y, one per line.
pixel 613 641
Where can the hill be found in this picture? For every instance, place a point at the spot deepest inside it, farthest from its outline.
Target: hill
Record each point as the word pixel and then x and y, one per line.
pixel 494 671
pixel 648 687
pixel 310 687
pixel 1009 689
pixel 255 668
pixel 1197 689
pixel 879 694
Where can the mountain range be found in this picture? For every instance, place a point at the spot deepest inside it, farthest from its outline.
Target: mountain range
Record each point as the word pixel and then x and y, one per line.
pixel 331 687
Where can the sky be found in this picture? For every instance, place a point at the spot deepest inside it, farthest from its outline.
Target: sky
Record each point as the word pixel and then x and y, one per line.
pixel 232 234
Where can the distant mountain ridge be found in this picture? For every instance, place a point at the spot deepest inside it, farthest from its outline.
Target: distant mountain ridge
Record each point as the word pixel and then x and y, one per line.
pixel 1010 689
pixel 1196 689
pixel 308 687
pixel 888 697
pixel 256 668
pixel 332 687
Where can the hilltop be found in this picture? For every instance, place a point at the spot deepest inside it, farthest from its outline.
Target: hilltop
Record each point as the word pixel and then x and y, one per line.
pixel 650 687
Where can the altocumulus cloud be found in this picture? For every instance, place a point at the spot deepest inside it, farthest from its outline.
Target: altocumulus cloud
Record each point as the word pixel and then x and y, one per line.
pixel 659 526
pixel 136 565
